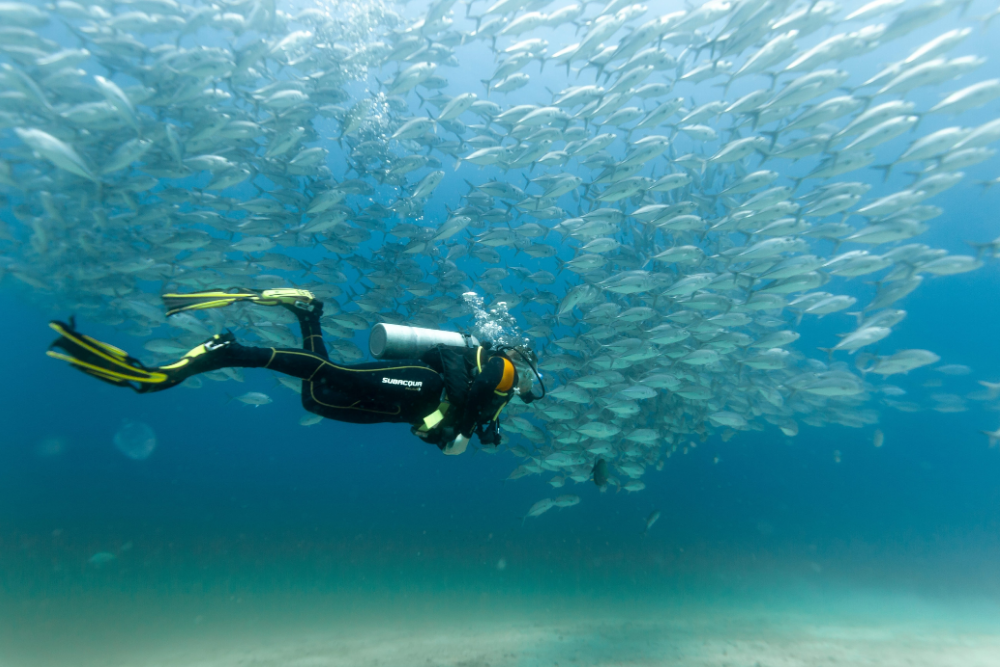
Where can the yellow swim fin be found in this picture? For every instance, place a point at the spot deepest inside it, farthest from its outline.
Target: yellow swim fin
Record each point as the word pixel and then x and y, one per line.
pixel 219 298
pixel 103 361
pixel 110 364
pixel 177 303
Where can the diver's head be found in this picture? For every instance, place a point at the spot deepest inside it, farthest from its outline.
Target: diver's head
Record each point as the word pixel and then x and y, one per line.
pixel 526 364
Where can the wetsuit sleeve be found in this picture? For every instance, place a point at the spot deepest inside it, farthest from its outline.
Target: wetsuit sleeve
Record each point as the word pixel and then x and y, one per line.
pixel 497 376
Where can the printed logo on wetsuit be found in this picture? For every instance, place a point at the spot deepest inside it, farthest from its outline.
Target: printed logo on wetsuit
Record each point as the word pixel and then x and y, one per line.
pixel 409 384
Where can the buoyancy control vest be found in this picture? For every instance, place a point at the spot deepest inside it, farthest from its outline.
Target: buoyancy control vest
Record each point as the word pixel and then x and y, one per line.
pixel 459 368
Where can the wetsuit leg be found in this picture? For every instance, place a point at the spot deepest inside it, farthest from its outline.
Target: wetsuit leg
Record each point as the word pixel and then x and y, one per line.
pixel 312 334
pixel 389 391
pixel 312 341
pixel 393 391
pixel 225 352
pixel 364 393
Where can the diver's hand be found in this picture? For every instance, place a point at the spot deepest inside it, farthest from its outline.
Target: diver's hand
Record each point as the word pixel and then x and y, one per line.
pixel 456 446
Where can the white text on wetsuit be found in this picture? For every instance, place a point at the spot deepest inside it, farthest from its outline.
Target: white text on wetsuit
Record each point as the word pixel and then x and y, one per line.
pixel 405 383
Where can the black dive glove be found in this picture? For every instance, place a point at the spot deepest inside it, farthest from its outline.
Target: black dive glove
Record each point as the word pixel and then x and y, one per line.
pixel 489 433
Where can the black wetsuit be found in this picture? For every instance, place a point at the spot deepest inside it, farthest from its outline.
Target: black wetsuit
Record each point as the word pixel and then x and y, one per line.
pixel 405 391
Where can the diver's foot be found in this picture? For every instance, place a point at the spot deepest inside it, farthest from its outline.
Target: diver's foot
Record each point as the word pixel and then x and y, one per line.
pixel 296 300
pixel 208 356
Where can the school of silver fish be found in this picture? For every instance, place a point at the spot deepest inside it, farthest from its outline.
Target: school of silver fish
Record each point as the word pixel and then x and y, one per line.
pixel 660 252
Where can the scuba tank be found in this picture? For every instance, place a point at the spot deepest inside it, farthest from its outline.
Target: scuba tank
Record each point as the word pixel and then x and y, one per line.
pixel 394 341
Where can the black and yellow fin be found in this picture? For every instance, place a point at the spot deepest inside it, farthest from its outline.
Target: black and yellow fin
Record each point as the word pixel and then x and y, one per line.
pixel 178 303
pixel 219 298
pixel 101 360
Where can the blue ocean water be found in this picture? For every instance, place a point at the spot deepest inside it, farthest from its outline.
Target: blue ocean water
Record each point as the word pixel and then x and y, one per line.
pixel 242 521
pixel 242 503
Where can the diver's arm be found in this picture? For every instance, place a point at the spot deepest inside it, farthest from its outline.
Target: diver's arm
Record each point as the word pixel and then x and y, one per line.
pixel 480 394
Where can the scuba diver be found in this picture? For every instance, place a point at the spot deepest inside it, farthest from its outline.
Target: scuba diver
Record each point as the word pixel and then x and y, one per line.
pixel 446 392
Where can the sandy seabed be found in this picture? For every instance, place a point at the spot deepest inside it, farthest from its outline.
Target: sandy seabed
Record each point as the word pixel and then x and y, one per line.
pixel 609 643
pixel 843 630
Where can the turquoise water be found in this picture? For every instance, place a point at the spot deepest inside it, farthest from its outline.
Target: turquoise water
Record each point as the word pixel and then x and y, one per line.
pixel 243 537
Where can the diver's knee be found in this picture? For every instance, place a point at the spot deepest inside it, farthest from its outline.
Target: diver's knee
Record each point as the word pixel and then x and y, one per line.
pixel 308 402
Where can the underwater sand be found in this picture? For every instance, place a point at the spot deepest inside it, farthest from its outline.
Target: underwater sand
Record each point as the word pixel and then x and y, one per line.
pixel 609 642
pixel 725 638
pixel 796 628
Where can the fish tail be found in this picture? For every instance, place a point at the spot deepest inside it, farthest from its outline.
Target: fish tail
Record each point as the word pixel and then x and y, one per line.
pixel 867 99
pixel 774 137
pixel 865 363
pixel 886 169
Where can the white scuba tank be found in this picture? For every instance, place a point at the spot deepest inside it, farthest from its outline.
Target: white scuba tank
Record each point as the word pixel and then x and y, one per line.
pixel 394 341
